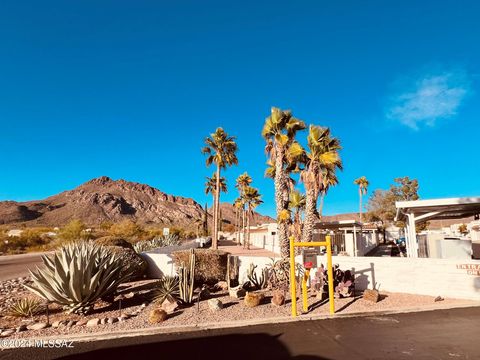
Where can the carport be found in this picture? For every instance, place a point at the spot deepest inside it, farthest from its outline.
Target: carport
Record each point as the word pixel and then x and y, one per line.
pixel 420 211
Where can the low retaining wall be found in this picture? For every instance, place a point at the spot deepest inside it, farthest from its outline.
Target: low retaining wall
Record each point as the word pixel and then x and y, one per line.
pixel 445 277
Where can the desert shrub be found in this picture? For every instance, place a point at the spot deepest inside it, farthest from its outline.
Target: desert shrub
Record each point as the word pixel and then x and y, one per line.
pixel 24 308
pixel 133 263
pixel 210 266
pixel 74 230
pixel 34 237
pixel 127 229
pixel 158 242
pixel 77 275
pixel 114 241
pixel 167 289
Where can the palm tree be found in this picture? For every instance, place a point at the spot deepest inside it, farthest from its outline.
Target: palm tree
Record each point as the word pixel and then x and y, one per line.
pixel 362 183
pixel 323 154
pixel 211 188
pixel 221 150
pixel 239 210
pixel 243 181
pixel 329 179
pixel 252 199
pixel 279 132
pixel 297 205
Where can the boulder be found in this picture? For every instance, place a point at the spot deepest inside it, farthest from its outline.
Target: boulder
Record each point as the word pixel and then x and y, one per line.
pixel 93 322
pixel 21 328
pixel 157 316
pixel 371 295
pixel 278 298
pixel 221 285
pixel 112 320
pixel 237 292
pixel 215 304
pixel 37 326
pixel 169 306
pixel 82 322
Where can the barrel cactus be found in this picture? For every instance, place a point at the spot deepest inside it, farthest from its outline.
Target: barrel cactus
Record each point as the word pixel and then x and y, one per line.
pixel 77 275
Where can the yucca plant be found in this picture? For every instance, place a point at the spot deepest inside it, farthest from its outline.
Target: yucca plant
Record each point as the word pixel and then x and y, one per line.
pixel 168 289
pixel 24 308
pixel 77 275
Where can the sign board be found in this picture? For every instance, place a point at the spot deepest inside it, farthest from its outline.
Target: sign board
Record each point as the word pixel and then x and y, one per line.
pixel 310 255
pixel 166 231
pixel 472 269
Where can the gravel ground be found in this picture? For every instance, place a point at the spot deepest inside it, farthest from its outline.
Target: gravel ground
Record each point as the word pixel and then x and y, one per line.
pixel 234 309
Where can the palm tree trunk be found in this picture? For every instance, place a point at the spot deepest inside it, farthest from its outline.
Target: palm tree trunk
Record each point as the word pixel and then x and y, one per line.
pixel 248 229
pixel 281 200
pixel 213 215
pixel 320 209
pixel 244 227
pixel 310 216
pixel 360 206
pixel 216 212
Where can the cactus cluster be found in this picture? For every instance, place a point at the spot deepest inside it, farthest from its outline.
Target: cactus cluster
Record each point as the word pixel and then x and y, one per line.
pixel 186 276
pixel 158 242
pixel 258 282
pixel 77 275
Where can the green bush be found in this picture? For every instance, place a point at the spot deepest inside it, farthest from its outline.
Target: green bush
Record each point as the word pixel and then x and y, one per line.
pixel 114 241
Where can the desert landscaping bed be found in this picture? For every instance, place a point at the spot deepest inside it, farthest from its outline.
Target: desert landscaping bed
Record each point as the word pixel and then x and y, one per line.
pixel 136 307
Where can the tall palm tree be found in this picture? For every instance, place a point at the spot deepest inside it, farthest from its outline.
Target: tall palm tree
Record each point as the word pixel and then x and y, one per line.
pixel 211 188
pixel 252 199
pixel 243 181
pixel 362 183
pixel 323 153
pixel 239 210
pixel 297 206
pixel 329 180
pixel 221 150
pixel 279 132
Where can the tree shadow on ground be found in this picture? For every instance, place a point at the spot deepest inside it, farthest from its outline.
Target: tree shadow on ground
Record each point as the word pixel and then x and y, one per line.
pixel 235 346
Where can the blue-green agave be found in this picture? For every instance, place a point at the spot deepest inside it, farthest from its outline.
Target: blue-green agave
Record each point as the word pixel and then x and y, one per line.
pixel 77 275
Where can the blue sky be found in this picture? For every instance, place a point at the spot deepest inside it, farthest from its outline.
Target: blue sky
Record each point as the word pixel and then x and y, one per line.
pixel 129 89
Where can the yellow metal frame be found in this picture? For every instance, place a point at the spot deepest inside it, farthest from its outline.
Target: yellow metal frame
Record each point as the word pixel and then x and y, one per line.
pixel 293 282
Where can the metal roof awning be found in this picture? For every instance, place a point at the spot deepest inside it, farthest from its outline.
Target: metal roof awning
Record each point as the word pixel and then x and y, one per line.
pixel 420 211
pixel 450 208
pixel 330 225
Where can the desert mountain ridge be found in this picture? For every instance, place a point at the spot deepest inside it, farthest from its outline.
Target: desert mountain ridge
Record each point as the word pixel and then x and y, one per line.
pixel 103 199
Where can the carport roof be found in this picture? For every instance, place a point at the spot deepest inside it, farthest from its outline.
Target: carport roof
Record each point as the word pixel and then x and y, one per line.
pixel 449 208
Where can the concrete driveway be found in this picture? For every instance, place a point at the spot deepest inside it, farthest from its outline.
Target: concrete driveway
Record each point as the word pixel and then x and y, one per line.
pixel 439 334
pixel 14 266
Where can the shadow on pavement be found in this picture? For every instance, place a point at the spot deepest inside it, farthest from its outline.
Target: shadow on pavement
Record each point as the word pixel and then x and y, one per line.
pixel 235 346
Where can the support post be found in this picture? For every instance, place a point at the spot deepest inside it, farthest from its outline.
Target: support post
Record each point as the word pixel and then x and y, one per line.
pixel 293 285
pixel 330 275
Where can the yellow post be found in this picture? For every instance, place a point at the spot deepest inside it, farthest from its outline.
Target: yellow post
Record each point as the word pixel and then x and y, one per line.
pixel 293 285
pixel 330 275
pixel 306 275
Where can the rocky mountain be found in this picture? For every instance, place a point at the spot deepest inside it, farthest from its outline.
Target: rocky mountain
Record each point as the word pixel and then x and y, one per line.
pixel 103 199
pixel 228 215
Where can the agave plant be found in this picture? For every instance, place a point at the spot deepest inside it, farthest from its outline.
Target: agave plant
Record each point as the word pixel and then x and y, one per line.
pixel 168 289
pixel 24 308
pixel 77 275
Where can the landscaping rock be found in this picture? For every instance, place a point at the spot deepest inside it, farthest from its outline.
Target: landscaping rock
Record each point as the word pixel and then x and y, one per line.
pixel 438 298
pixel 37 326
pixel 157 316
pixel 237 292
pixel 112 320
pixel 221 285
pixel 371 295
pixel 215 304
pixel 253 299
pixel 103 321
pixel 278 298
pixel 169 306
pixel 7 332
pixel 21 328
pixel 93 322
pixel 71 323
pixel 82 322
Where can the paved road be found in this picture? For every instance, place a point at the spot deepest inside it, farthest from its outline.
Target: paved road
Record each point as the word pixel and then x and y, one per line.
pixel 440 334
pixel 14 266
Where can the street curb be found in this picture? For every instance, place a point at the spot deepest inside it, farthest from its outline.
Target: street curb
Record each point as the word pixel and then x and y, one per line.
pixel 242 323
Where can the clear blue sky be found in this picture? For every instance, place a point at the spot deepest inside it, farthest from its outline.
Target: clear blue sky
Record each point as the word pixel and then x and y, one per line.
pixel 129 89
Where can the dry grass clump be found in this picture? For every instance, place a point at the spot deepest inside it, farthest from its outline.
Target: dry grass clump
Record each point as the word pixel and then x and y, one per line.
pixel 210 265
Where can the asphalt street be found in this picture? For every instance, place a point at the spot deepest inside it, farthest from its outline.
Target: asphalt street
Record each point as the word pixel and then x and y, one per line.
pixel 439 334
pixel 14 266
